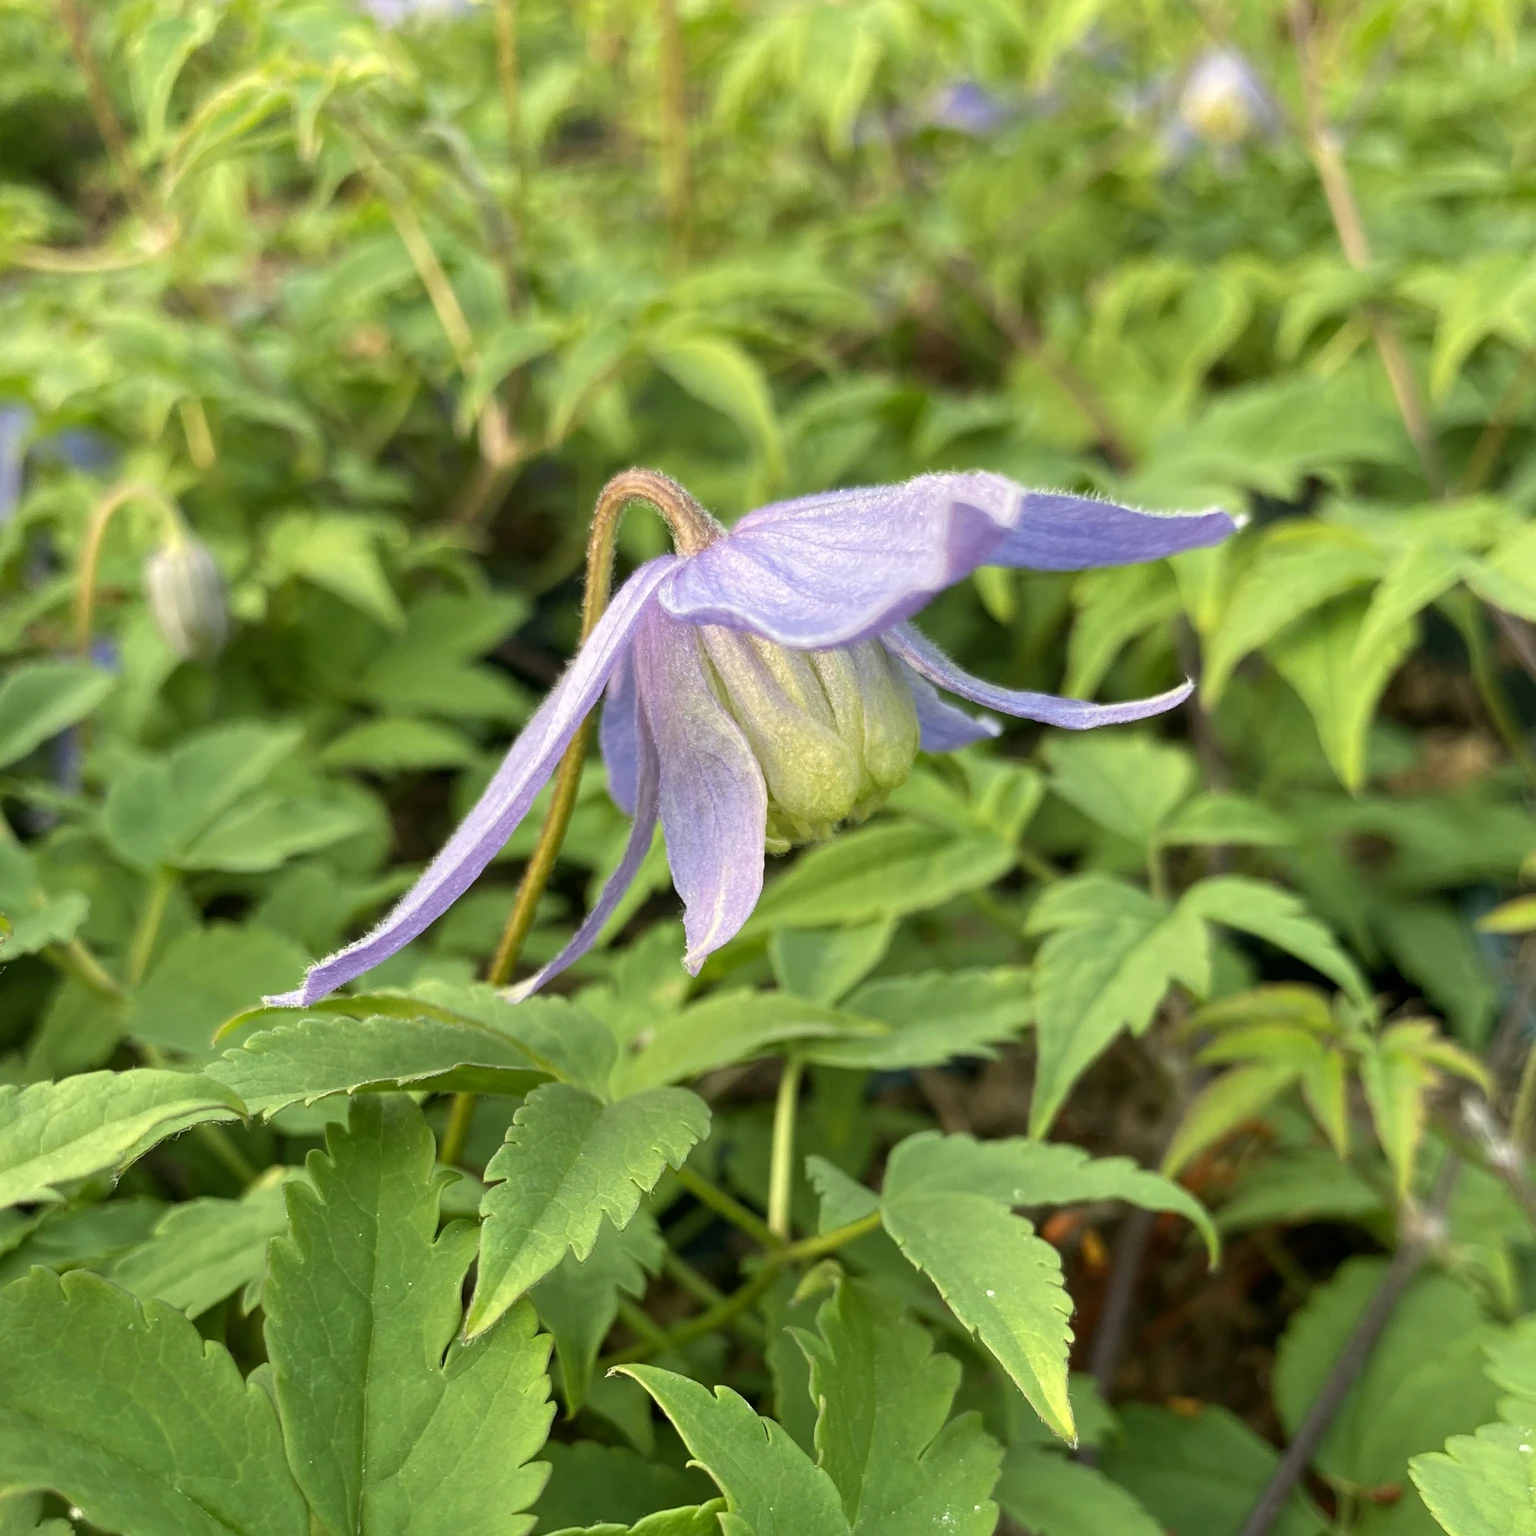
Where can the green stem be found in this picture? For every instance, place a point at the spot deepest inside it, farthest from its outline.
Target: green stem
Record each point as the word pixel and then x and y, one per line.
pixel 781 1167
pixel 214 1137
pixel 691 1280
pixel 639 1321
pixel 706 1192
pixel 142 950
pixel 461 1116
pixel 1522 1118
pixel 82 963
pixel 692 529
pixel 727 1311
pixel 1157 876
pixel 1495 701
pixel 1036 864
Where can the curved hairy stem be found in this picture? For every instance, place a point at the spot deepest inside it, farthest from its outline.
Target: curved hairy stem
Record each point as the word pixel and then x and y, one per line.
pixel 692 528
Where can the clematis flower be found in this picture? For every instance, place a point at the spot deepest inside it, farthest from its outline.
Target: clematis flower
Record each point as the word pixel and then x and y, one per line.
pixel 763 685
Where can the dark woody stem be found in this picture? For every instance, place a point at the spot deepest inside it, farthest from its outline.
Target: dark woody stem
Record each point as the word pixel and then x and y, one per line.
pixel 692 529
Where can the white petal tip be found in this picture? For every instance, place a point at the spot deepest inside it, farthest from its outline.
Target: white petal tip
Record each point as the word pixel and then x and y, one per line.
pixel 295 999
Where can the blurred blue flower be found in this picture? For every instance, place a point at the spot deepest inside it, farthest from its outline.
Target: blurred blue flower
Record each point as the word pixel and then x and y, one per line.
pixel 763 685
pixel 965 106
pixel 1221 103
pixel 15 424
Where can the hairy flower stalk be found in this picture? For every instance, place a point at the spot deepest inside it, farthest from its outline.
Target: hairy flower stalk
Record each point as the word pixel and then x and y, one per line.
pixel 762 686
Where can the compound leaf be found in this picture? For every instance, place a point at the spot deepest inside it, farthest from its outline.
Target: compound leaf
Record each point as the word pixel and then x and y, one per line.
pixel 132 1416
pixel 51 1133
pixel 883 1431
pixel 391 1425
pixel 568 1160
pixel 771 1487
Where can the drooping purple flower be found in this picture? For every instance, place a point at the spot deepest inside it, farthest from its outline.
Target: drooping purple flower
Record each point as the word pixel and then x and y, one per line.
pixel 765 686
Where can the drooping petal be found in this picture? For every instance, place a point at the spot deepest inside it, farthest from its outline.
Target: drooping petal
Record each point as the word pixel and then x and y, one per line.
pixel 923 656
pixel 843 566
pixel 646 786
pixel 1057 532
pixel 619 735
pixel 527 765
pixel 944 728
pixel 714 803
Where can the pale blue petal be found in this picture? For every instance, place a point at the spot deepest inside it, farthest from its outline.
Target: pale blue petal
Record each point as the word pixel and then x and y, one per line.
pixel 619 735
pixel 714 804
pixel 506 800
pixel 923 656
pixel 644 809
pixel 944 728
pixel 1058 532
pixel 840 567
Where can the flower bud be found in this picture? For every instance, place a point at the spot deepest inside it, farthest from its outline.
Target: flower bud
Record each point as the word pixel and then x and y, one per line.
pixel 186 597
pixel 833 731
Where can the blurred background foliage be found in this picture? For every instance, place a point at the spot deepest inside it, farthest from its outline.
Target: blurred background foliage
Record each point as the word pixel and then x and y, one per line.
pixel 364 303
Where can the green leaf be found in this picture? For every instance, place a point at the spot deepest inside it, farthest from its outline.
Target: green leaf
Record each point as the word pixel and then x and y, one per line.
pixel 1114 605
pixel 134 1418
pixel 390 1422
pixel 1279 918
pixel 728 1027
pixel 1210 820
pixel 607 1486
pixel 204 976
pixel 1300 1186
pixel 1419 575
pixel 1292 575
pixel 1433 946
pixel 1397 1083
pixel 1339 680
pixel 696 1520
pixel 1129 784
pixel 41 698
pixel 55 922
pixel 568 1161
pixel 314 1055
pixel 62 1237
pixel 771 1486
pixel 336 551
pixel 821 964
pixel 1200 1472
pixel 1424 1379
pixel 1515 916
pixel 1015 1171
pixel 204 1250
pixel 1000 1280
pixel 883 1432
pixel 719 374
pixel 1222 1105
pixel 52 1133
pixel 159 808
pixel 878 872
pixel 578 1300
pixel 399 745
pixel 157 50
pixel 842 1200
pixel 1482 1485
pixel 1050 1495
pixel 1092 982
pixel 932 1019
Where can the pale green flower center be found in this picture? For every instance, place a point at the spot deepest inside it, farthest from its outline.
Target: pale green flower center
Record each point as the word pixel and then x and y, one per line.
pixel 834 732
